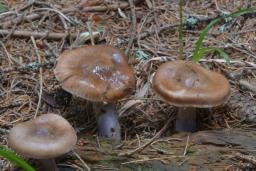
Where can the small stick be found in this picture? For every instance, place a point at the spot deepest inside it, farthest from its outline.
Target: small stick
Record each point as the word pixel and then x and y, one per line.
pixel 20 19
pixel 56 11
pixel 82 161
pixel 120 5
pixel 248 158
pixel 144 160
pixel 7 53
pixel 36 34
pixel 185 150
pixel 40 35
pixel 9 56
pixel 217 6
pixel 98 142
pixel 7 14
pixel 40 77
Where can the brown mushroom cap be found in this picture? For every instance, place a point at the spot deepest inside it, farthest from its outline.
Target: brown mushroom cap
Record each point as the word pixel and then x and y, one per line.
pixel 186 84
pixel 47 136
pixel 96 73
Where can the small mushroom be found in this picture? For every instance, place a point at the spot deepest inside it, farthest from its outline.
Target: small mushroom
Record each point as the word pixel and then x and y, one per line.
pixel 43 138
pixel 97 73
pixel 188 86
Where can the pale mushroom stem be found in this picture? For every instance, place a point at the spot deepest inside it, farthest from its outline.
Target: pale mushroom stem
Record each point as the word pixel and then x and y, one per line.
pixel 48 164
pixel 108 123
pixel 186 119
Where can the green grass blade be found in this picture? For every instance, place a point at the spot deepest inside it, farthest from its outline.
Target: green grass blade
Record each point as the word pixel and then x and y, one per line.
pixel 11 156
pixel 196 55
pixel 3 8
pixel 181 31
pixel 221 52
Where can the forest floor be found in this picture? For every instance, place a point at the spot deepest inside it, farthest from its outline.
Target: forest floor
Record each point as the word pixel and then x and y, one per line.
pixel 34 32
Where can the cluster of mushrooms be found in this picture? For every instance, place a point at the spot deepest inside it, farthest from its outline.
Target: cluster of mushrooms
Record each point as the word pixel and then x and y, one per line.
pixel 101 74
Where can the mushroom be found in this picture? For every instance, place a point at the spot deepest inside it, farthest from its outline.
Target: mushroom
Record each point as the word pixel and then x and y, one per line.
pixel 43 138
pixel 189 86
pixel 97 73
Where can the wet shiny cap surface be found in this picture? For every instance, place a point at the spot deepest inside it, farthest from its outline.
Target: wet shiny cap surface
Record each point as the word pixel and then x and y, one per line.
pixel 96 73
pixel 47 136
pixel 186 84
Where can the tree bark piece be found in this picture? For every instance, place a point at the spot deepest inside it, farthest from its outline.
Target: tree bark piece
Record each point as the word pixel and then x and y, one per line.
pixel 207 150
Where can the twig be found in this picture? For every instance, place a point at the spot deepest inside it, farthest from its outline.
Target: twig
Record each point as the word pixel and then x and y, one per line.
pixel 29 4
pixel 10 58
pixel 133 28
pixel 57 11
pixel 217 6
pixel 243 63
pixel 38 35
pixel 120 5
pixel 248 158
pixel 185 150
pixel 98 142
pixel 82 161
pixel 161 150
pixel 158 134
pixel 144 160
pixel 20 19
pixel 40 77
pixel 7 53
pixel 7 14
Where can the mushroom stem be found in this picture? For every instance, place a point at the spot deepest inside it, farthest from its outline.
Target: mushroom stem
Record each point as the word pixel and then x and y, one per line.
pixel 186 119
pixel 108 123
pixel 48 164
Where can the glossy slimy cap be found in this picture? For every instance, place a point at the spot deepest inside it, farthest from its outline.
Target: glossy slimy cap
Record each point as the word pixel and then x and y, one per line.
pixel 187 84
pixel 96 73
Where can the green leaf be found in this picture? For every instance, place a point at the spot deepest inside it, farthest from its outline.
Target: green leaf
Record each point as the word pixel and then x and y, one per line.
pixel 204 51
pixel 223 54
pixel 3 8
pixel 196 54
pixel 12 157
